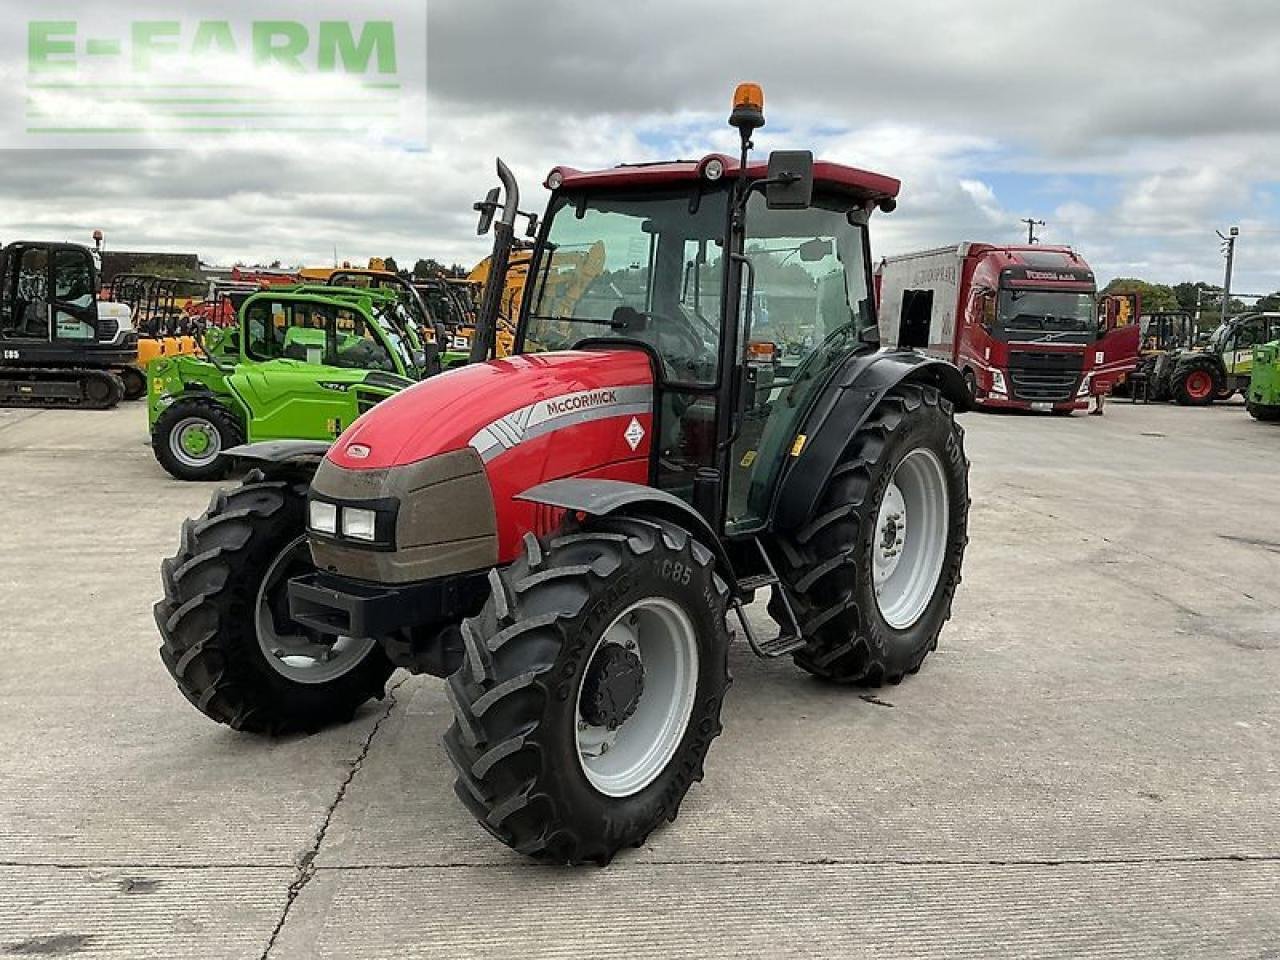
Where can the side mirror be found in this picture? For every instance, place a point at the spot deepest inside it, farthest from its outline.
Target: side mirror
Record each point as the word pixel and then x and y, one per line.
pixel 790 180
pixel 811 251
pixel 488 208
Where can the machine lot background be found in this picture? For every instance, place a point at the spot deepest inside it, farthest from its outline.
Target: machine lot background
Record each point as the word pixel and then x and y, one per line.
pixel 1088 765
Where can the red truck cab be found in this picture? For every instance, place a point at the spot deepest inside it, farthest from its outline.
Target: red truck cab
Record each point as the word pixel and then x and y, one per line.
pixel 1021 322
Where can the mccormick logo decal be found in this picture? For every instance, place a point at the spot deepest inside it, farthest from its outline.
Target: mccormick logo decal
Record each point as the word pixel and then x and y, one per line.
pixel 581 401
pixel 567 410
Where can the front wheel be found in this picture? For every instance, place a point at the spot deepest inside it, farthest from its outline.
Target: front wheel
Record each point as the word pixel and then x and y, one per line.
pixel 189 437
pixel 228 639
pixel 1266 412
pixel 1196 384
pixel 591 689
pixel 872 574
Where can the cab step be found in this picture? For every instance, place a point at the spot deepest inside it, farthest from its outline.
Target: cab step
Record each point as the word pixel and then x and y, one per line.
pixel 789 638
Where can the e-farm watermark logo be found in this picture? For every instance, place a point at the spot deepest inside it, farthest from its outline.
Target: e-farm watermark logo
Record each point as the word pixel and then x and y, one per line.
pixel 98 78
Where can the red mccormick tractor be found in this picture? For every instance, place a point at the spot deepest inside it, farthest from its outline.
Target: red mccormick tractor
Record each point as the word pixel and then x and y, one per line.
pixel 563 532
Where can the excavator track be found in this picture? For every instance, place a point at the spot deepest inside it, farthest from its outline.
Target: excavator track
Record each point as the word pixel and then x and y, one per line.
pixel 60 388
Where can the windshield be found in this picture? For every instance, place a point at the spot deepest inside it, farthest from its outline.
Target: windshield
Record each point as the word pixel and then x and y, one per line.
pixel 640 266
pixel 1046 315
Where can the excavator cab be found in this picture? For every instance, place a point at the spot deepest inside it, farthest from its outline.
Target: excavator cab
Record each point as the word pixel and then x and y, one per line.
pixel 58 345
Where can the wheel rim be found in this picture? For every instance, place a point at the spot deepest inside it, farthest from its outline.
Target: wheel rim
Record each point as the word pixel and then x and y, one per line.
pixel 1199 384
pixel 910 538
pixel 195 442
pixel 623 761
pixel 297 654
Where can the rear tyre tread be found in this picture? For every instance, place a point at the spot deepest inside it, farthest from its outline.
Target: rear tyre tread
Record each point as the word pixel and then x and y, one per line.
pixel 818 565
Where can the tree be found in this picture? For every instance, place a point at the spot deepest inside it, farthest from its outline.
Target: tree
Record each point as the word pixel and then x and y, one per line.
pixel 1270 303
pixel 1156 297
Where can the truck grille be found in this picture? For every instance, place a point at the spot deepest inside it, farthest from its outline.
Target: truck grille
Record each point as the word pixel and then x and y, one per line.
pixel 1044 377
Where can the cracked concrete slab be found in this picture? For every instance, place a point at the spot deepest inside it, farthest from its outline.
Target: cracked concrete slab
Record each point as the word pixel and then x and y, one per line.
pixel 1104 700
pixel 793 910
pixel 223 913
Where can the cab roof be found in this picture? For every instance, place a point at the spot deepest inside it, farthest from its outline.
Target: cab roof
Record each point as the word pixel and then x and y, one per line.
pixel 844 179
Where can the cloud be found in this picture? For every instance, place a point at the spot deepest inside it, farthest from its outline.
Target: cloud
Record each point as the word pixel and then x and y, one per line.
pixel 1119 124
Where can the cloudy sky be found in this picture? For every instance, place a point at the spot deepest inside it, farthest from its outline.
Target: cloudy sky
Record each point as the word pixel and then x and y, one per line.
pixel 1134 129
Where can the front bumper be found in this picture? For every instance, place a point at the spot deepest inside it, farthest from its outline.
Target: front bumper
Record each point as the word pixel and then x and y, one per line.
pixel 345 607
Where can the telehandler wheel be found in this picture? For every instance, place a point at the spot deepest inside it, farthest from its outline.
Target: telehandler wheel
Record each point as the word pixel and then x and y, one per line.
pixel 228 639
pixel 871 576
pixel 135 382
pixel 1268 413
pixel 189 437
pixel 591 689
pixel 1196 383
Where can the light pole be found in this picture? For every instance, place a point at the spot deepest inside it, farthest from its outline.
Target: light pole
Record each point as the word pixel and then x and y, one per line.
pixel 1032 223
pixel 1229 251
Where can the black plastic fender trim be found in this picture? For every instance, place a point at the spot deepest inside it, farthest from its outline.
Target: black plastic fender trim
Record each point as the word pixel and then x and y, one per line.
pixel 847 402
pixel 275 452
pixel 601 498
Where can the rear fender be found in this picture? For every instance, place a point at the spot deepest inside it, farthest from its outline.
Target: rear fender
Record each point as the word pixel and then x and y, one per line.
pixel 845 405
pixel 603 498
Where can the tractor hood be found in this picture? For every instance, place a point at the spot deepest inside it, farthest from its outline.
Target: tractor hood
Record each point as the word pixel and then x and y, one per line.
pixel 439 467
pixel 493 407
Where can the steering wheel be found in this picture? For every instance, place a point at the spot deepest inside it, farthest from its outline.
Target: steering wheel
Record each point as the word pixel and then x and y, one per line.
pixel 625 318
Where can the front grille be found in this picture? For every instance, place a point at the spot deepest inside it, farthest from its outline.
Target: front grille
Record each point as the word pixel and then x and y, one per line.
pixel 1044 377
pixel 108 327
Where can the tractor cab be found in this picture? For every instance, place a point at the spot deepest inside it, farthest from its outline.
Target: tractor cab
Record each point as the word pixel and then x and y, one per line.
pixel 745 304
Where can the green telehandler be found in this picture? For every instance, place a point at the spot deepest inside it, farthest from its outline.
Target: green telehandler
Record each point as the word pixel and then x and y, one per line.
pixel 1263 398
pixel 302 363
pixel 1199 377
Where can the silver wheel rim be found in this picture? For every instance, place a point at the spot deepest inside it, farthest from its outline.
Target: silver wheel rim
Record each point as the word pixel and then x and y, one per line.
pixel 622 762
pixel 301 657
pixel 910 538
pixel 188 426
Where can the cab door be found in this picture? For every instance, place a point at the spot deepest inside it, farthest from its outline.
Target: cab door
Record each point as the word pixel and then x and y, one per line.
pixel 293 399
pixel 1238 357
pixel 1119 340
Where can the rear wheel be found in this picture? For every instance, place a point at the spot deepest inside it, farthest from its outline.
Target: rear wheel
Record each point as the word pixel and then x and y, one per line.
pixel 190 436
pixel 1196 383
pixel 591 689
pixel 872 575
pixel 228 639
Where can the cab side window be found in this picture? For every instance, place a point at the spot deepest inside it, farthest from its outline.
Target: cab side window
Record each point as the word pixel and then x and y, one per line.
pixel 358 346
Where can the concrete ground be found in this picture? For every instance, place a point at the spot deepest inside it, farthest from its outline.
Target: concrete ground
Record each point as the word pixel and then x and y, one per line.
pixel 1088 766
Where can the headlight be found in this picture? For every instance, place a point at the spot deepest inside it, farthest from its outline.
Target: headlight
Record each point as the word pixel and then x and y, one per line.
pixel 997 382
pixel 324 517
pixel 1084 387
pixel 359 524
